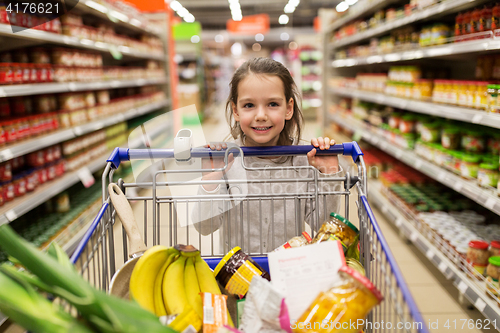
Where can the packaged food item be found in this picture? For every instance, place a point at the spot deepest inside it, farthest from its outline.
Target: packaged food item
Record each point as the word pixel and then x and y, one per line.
pixel 492 276
pixel 296 241
pixel 215 312
pixel 469 165
pixel 487 174
pixel 495 248
pixel 349 301
pixel 337 228
pixel 473 141
pixel 188 321
pixel 407 124
pixel 450 137
pixel 481 96
pixel 236 270
pixel 477 257
pixel 430 131
pixel 19 183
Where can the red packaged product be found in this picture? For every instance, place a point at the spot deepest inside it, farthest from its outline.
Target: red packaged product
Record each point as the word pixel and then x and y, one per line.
pixel 51 172
pixel 17 73
pixel 3 135
pixel 31 180
pixel 42 175
pixel 10 131
pixel 41 72
pixel 485 19
pixel 36 159
pixel 19 183
pixel 57 152
pixel 5 171
pixel 5 73
pixel 48 155
pixel 4 18
pixel 26 73
pixel 17 106
pixel 495 17
pixel 60 168
pixel 8 191
pixel 466 23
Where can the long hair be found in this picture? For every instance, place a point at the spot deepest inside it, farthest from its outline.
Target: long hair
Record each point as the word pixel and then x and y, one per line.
pixel 291 133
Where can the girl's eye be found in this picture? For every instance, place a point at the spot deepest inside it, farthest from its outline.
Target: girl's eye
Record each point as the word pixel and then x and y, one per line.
pixel 248 105
pixel 274 104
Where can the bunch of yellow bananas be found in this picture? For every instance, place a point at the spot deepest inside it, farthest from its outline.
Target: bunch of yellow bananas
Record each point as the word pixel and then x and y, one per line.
pixel 168 281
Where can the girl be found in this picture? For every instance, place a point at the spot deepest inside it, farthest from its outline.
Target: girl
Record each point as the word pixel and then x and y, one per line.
pixel 263 110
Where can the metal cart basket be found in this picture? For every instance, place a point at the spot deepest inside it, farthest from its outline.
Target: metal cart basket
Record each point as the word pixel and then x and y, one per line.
pixel 103 249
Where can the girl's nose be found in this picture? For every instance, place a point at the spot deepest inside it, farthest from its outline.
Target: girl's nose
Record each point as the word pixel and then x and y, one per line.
pixel 261 114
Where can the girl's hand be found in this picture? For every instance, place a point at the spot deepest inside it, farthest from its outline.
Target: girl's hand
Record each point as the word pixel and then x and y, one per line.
pixel 215 163
pixel 325 164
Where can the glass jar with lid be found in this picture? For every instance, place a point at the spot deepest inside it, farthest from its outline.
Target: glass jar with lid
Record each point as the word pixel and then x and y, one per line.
pixel 477 257
pixel 492 276
pixel 487 174
pixel 469 165
pixel 495 248
pixel 429 131
pixel 473 141
pixel 450 137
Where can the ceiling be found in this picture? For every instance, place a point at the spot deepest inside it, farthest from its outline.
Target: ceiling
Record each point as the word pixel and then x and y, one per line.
pixel 213 14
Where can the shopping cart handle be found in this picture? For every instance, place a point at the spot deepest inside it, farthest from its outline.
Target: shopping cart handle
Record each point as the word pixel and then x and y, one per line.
pixel 126 154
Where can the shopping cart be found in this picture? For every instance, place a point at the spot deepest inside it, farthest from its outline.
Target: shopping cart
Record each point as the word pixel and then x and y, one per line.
pixel 102 250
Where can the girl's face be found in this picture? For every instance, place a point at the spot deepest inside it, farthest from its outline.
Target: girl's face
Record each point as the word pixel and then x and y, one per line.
pixel 262 109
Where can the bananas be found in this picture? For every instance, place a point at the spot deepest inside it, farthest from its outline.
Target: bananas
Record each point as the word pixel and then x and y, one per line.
pixel 168 281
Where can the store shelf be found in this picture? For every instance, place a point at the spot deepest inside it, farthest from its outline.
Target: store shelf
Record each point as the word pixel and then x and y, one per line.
pixel 70 133
pixel 100 9
pixel 467 47
pixel 468 115
pixel 466 286
pixel 443 8
pixel 50 88
pixel 48 37
pixel 484 197
pixel 361 8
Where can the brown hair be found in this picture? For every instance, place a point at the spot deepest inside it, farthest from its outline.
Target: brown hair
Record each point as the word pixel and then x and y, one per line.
pixel 266 66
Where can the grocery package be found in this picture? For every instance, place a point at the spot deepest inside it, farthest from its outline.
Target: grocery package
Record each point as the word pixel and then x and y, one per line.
pixel 296 241
pixel 215 313
pixel 338 228
pixel 348 301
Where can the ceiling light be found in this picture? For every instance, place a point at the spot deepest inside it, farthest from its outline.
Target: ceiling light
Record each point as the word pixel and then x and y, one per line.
pixel 351 2
pixel 294 3
pixel 259 37
pixel 236 49
pixel 289 9
pixel 219 38
pixel 234 6
pixel 233 1
pixel 175 5
pixel 342 7
pixel 97 6
pixel 283 19
pixel 237 17
pixel 284 36
pixel 195 39
pixel 182 12
pixel 189 18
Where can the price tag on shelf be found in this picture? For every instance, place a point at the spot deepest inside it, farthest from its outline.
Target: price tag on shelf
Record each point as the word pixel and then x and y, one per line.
pixel 418 164
pixel 462 286
pixel 490 203
pixel 414 236
pixel 477 118
pixel 86 177
pixel 430 254
pixel 6 154
pixel 2 93
pixel 11 215
pixel 441 176
pixel 114 52
pixel 357 135
pixel 399 154
pixel 480 304
pixel 398 222
pixel 442 267
pixel 457 186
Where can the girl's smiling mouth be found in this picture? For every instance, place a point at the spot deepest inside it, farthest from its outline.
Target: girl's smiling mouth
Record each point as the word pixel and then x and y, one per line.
pixel 262 129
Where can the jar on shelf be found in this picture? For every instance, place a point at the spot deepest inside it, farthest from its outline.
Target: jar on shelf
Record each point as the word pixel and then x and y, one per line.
pixel 350 299
pixel 487 174
pixel 407 124
pixel 492 99
pixel 469 165
pixel 481 95
pixel 492 276
pixel 429 131
pixel 477 256
pixel 450 137
pixel 471 93
pixel 473 141
pixel 494 248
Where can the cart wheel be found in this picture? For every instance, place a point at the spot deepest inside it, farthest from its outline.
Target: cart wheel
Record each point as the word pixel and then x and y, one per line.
pixel 464 301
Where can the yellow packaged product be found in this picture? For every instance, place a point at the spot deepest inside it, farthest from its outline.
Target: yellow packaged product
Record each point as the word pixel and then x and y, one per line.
pixel 339 227
pixel 349 301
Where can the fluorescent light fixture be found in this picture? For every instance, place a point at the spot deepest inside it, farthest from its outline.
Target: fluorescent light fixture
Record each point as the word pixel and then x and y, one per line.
pixel 122 17
pixel 351 2
pixel 233 1
pixel 237 17
pixel 135 22
pixel 289 9
pixel 219 38
pixel 189 18
pixel 236 49
pixel 259 37
pixel 284 36
pixel 294 3
pixel 175 5
pixel 182 12
pixel 342 7
pixel 283 19
pixel 195 39
pixel 234 6
pixel 97 6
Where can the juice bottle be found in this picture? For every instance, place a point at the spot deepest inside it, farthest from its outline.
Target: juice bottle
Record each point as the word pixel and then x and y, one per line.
pixel 495 17
pixel 466 21
pixel 475 17
pixel 471 92
pixel 485 19
pixel 458 24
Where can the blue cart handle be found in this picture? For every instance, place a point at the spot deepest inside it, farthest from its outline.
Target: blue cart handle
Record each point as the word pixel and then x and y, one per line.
pixel 126 154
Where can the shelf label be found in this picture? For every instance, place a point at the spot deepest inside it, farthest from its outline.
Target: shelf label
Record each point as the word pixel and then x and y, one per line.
pixel 7 154
pixel 414 236
pixel 78 130
pixel 114 52
pixel 384 209
pixel 458 186
pixel 399 154
pixel 430 254
pixel 442 267
pixel 418 164
pixel 357 135
pixel 2 93
pixel 490 203
pixel 462 286
pixel 398 222
pixel 86 177
pixel 477 118
pixel 441 176
pixel 72 86
pixel 480 304
pixel 11 215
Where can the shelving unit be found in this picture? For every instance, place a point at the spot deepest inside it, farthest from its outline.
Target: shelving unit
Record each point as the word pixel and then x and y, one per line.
pixel 50 88
pixel 468 115
pixel 58 39
pixel 426 242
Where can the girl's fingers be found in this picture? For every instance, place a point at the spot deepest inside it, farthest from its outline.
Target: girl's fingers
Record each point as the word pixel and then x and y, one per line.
pixel 327 143
pixel 314 142
pixel 321 143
